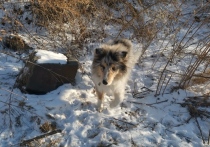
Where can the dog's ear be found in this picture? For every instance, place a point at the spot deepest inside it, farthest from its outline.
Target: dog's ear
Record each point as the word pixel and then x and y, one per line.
pixel 99 51
pixel 122 54
pixel 118 56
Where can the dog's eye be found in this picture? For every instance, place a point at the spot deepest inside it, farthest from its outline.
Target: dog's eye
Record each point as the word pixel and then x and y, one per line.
pixel 113 68
pixel 102 67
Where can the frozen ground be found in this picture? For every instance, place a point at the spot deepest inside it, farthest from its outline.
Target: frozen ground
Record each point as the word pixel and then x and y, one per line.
pixel 143 119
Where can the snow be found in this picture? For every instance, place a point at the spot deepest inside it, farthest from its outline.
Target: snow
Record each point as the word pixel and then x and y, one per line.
pixel 74 110
pixel 143 119
pixel 50 57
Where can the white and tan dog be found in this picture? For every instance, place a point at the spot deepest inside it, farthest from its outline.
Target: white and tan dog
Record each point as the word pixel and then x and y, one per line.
pixel 111 68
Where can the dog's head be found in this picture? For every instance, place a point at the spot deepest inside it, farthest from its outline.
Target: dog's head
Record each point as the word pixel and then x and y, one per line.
pixel 110 64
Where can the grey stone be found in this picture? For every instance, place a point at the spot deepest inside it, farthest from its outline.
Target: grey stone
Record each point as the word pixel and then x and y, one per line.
pixel 42 78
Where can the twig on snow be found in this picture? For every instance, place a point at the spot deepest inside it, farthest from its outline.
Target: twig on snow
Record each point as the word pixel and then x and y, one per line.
pixel 147 89
pixel 25 142
pixel 135 125
pixel 11 92
pixel 187 121
pixel 124 122
pixel 148 104
pixel 200 130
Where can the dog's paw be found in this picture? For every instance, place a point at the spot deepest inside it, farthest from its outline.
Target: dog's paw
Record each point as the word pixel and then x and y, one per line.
pixel 113 104
pixel 100 110
pixel 100 106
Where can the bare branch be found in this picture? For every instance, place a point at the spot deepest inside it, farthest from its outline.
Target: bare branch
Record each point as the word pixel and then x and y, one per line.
pixel 25 142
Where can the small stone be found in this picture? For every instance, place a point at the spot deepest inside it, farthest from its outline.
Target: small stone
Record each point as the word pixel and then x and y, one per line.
pixel 41 78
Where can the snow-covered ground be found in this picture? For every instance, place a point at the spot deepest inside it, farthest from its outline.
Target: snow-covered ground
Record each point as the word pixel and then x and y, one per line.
pixel 143 119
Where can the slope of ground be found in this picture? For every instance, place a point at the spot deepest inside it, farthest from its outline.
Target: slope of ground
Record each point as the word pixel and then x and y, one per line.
pixel 157 111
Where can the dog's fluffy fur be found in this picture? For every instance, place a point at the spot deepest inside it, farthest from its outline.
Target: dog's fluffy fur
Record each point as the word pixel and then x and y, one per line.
pixel 111 68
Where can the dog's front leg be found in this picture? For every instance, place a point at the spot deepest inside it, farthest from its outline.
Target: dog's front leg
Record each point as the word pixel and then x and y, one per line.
pixel 118 98
pixel 100 100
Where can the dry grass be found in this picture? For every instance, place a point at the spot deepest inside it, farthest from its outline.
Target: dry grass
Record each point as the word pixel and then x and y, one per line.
pixel 72 25
pixel 201 78
pixel 64 18
pixel 48 11
pixel 76 23
pixel 86 20
pixel 196 107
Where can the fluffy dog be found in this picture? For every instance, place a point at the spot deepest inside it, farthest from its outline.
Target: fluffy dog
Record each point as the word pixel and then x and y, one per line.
pixel 111 68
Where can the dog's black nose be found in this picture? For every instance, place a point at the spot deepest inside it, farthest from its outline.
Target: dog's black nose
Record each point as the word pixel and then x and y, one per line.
pixel 104 82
